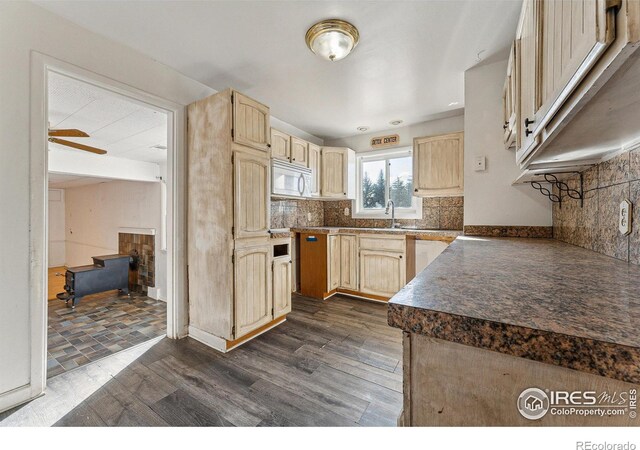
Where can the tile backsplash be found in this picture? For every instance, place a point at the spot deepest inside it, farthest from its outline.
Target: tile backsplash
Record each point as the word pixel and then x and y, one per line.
pixel 295 213
pixel 438 213
pixel 595 225
pixel 443 213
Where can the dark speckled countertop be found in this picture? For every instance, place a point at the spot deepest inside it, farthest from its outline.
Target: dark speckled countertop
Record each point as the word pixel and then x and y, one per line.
pixel 446 235
pixel 539 299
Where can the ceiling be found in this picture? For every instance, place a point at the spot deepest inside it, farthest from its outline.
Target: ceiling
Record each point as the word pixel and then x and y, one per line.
pixel 409 64
pixel 116 124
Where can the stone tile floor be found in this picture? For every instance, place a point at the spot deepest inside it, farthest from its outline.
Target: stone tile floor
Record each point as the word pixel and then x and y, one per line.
pixel 100 325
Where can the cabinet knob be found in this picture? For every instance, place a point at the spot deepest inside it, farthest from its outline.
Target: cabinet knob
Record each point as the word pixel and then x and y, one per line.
pixel 344 193
pixel 400 256
pixel 415 190
pixel 269 145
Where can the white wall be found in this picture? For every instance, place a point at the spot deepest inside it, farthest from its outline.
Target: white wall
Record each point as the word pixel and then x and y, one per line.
pixel 490 199
pixel 25 28
pixel 361 142
pixel 56 228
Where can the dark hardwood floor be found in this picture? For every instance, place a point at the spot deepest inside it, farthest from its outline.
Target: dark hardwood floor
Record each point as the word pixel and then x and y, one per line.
pixel 332 363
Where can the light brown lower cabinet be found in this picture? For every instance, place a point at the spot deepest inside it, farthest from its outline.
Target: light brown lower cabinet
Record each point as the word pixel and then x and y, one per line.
pixel 333 252
pixel 372 266
pixel 253 298
pixel 381 273
pixel 349 262
pixel 281 286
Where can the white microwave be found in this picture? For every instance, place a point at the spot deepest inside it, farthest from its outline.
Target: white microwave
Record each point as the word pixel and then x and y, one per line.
pixel 290 180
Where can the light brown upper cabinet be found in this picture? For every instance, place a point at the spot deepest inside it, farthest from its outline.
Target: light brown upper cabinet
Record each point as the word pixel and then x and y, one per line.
pixel 575 34
pixel 509 104
pixel 338 166
pixel 314 165
pixel 438 165
pixel 566 52
pixel 299 152
pixel 529 81
pixel 252 195
pixel 280 145
pixel 250 122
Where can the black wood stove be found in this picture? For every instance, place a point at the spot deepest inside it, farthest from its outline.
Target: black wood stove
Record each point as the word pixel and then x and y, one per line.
pixel 107 273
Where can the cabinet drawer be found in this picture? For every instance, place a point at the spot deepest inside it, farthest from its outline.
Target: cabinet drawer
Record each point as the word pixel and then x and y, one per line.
pixel 384 242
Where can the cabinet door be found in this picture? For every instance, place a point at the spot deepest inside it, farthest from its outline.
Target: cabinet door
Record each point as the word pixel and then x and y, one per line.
pixel 280 145
pixel 381 273
pixel 314 165
pixel 334 172
pixel 575 33
pixel 333 266
pixel 348 262
pixel 250 122
pixel 438 165
pixel 251 195
pixel 281 286
pixel 253 301
pixel 299 152
pixel 509 98
pixel 528 57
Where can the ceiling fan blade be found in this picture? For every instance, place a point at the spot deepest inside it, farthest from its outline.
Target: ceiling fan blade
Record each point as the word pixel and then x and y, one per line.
pixel 86 148
pixel 72 132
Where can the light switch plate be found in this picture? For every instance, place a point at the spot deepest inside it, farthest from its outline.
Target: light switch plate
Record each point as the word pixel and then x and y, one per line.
pixel 479 163
pixel 624 219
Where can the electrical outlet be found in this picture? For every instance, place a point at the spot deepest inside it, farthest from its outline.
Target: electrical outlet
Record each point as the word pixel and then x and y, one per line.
pixel 479 164
pixel 309 216
pixel 624 219
pixel 346 212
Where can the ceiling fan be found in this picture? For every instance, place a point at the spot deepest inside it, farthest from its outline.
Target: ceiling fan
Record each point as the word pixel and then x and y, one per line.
pixel 55 134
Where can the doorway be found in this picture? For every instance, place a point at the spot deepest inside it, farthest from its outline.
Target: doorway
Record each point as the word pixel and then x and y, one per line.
pixel 171 188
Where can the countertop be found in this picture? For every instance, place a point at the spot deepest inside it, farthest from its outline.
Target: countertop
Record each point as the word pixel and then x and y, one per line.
pixel 448 235
pixel 539 299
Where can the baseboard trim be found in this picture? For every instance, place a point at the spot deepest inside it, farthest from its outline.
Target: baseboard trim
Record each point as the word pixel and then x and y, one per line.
pixel 361 296
pixel 208 339
pixel 223 345
pixel 16 397
pixel 255 333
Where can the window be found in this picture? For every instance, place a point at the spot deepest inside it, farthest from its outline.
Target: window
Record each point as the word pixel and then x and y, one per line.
pixel 383 176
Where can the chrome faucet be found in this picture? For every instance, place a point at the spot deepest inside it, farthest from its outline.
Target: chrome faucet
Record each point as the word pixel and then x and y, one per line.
pixel 393 212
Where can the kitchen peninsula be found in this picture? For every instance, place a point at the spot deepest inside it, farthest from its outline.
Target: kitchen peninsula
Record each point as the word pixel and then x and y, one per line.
pixel 491 317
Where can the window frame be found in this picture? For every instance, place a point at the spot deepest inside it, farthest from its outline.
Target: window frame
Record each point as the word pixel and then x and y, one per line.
pixel 358 211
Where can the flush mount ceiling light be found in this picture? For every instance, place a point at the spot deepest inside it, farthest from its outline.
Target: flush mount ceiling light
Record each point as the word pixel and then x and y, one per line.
pixel 362 128
pixel 332 39
pixel 395 122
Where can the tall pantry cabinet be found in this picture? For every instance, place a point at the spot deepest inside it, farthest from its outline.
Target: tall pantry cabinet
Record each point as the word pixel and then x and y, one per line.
pixel 229 250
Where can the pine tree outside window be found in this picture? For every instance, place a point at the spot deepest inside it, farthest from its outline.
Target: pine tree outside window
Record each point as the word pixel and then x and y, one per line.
pixel 384 175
